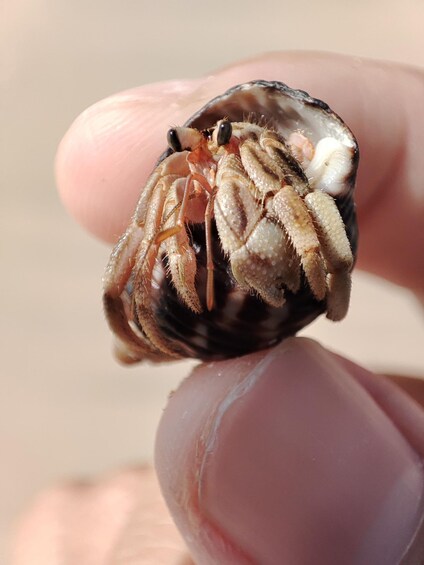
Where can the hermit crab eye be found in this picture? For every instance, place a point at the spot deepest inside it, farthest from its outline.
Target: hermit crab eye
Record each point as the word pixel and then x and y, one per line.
pixel 225 131
pixel 173 140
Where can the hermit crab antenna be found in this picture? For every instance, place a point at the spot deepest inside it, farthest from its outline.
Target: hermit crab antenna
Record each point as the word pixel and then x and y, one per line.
pixel 173 140
pixel 224 132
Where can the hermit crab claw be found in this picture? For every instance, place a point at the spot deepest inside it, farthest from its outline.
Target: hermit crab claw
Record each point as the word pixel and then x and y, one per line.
pixel 244 233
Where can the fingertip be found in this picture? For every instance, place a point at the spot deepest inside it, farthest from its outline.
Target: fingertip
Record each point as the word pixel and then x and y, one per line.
pixel 95 157
pixel 254 456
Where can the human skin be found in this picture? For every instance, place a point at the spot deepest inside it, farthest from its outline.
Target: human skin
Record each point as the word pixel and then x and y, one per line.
pixel 294 455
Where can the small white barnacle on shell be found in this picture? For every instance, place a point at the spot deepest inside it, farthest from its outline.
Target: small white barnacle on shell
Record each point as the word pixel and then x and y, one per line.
pixel 244 233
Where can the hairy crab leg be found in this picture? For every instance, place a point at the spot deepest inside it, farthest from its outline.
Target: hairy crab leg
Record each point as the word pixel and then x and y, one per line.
pixel 291 211
pixel 123 256
pixel 253 242
pixel 270 167
pixel 327 221
pixel 177 269
pixel 280 154
pixel 146 259
pixel 331 230
pixel 122 261
pixel 130 346
pixel 181 257
pixel 336 250
pixel 261 168
pixel 175 164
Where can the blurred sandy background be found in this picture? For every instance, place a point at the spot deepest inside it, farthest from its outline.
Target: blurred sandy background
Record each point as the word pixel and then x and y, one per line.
pixel 67 409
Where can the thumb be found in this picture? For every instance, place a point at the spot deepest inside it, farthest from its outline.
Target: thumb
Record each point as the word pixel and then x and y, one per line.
pixel 293 456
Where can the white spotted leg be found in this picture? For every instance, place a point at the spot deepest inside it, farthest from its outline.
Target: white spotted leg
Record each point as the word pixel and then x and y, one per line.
pixel 291 211
pixel 336 250
pixel 261 257
pixel 327 222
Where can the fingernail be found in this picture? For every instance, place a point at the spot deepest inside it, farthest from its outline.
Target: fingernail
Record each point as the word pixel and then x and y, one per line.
pixel 298 464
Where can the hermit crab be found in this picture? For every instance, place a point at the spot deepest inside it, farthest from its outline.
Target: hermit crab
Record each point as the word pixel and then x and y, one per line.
pixel 244 233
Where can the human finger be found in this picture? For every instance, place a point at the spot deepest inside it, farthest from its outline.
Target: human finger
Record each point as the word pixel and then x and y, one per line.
pixel 293 456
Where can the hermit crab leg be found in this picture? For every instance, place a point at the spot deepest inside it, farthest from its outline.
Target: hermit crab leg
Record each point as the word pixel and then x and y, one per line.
pixel 272 174
pixel 253 242
pixel 261 168
pixel 331 230
pixel 175 164
pixel 280 154
pixel 181 257
pixel 123 256
pixel 186 287
pixel 131 347
pixel 145 263
pixel 116 278
pixel 122 261
pixel 325 215
pixel 294 216
pixel 336 250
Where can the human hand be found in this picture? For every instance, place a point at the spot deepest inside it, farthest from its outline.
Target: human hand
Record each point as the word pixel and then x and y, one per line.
pixel 293 455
